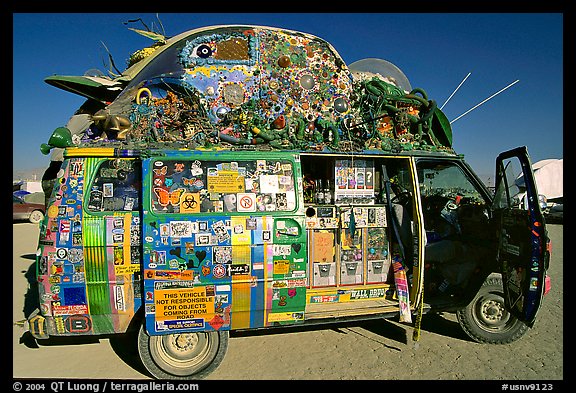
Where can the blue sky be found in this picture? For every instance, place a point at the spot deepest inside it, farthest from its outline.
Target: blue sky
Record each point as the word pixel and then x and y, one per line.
pixel 436 51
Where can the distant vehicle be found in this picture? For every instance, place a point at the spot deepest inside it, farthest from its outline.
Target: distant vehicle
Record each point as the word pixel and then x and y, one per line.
pixel 28 211
pixel 549 177
pixel 28 186
pixel 555 214
pixel 21 193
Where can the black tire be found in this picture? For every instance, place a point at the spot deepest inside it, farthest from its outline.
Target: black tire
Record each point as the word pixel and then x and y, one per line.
pixel 182 355
pixel 486 320
pixel 36 216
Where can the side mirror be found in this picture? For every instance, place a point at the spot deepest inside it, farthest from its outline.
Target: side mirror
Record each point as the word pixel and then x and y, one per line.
pixel 543 202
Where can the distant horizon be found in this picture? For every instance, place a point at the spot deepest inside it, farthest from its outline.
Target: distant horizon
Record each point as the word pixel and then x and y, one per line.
pixel 27 175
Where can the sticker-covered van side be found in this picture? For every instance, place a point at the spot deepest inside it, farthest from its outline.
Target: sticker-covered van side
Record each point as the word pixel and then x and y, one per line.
pixel 89 258
pixel 224 242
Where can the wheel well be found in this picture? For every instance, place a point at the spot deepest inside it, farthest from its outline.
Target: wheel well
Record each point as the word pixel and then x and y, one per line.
pixel 136 321
pixel 467 296
pixel 475 284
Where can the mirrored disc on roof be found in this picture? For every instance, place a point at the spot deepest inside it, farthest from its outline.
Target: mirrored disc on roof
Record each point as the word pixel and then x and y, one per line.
pixel 367 68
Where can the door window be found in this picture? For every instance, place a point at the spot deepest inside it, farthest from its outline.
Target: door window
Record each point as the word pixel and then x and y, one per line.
pixel 196 186
pixel 116 186
pixel 456 220
pixel 450 200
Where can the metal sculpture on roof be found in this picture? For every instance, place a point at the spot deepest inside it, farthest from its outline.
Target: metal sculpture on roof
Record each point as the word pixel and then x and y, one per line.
pixel 261 88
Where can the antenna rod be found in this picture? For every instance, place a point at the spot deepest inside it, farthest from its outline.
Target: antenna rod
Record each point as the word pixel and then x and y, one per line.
pixel 461 83
pixel 492 96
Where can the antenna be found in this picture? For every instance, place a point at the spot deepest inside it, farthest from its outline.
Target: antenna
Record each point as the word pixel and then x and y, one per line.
pixel 111 59
pixel 461 83
pixel 492 96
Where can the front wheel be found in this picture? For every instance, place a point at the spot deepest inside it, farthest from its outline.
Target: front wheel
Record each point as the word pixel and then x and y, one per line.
pixel 182 355
pixel 486 319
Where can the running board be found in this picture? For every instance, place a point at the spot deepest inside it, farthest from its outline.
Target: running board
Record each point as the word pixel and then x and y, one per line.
pixel 350 309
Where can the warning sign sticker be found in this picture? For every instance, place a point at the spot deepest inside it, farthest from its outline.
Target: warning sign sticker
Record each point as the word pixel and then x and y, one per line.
pixel 225 182
pixel 246 202
pixel 183 303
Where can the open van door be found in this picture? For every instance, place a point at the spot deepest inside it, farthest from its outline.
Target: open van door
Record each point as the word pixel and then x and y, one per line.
pixel 522 236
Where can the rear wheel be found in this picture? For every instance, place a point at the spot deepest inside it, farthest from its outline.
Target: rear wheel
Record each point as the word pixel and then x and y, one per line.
pixel 182 355
pixel 36 216
pixel 486 319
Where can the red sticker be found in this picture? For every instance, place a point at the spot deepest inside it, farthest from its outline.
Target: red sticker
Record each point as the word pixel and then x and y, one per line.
pixel 216 322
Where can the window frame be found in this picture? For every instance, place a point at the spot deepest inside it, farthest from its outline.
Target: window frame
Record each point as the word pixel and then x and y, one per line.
pixel 215 160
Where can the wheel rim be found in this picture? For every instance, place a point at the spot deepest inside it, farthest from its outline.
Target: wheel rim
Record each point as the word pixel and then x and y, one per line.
pixel 185 353
pixel 491 315
pixel 36 216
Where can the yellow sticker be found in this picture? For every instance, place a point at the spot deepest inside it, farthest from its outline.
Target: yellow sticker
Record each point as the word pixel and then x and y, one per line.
pixel 226 182
pixel 126 269
pixel 281 266
pixel 183 303
pixel 190 202
pixel 53 211
pixel 281 316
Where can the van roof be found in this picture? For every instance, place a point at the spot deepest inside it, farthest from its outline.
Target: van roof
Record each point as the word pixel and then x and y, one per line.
pixel 246 87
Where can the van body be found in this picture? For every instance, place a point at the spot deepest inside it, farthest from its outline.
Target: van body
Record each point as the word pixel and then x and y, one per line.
pixel 271 200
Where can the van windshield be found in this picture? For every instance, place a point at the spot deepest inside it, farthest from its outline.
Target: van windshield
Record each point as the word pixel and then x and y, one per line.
pixel 446 180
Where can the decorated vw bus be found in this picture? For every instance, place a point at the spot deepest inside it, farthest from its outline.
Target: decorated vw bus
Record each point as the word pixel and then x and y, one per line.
pixel 244 177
